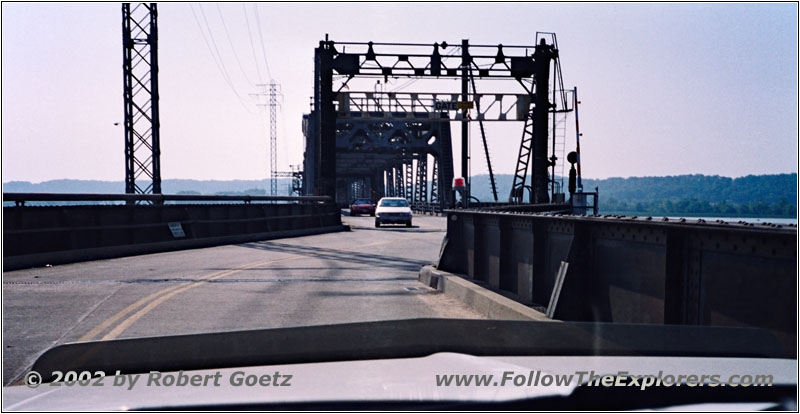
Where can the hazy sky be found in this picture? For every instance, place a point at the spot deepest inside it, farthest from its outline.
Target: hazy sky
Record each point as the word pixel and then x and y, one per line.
pixel 666 88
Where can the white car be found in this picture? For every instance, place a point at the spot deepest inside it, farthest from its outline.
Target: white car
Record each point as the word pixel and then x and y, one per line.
pixel 393 210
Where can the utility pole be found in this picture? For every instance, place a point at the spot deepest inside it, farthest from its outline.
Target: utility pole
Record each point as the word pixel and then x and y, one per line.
pixel 578 134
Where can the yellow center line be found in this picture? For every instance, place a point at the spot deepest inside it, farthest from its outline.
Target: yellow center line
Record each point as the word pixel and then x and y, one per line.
pixel 161 296
pixel 133 318
pixel 110 321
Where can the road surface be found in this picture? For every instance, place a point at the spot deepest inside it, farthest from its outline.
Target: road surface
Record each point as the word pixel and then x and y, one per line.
pixel 366 274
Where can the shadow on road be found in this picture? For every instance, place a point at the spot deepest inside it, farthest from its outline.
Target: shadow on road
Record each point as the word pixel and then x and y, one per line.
pixel 369 259
pixel 412 229
pixel 379 293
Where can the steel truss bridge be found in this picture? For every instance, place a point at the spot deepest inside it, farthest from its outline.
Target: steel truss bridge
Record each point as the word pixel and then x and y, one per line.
pixel 376 143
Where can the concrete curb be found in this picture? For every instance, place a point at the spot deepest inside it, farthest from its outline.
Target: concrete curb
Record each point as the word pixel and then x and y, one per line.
pixel 488 303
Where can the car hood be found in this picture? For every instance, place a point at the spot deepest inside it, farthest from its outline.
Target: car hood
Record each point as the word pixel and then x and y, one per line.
pixel 389 361
pixel 406 379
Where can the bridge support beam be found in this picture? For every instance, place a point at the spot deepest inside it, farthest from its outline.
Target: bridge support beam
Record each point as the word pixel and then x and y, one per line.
pixel 140 92
pixel 325 113
pixel 542 57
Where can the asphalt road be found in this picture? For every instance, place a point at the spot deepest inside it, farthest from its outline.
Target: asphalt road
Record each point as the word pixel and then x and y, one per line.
pixel 366 274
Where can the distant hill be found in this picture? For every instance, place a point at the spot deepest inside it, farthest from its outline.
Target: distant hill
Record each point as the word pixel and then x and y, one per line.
pixel 772 195
pixel 171 186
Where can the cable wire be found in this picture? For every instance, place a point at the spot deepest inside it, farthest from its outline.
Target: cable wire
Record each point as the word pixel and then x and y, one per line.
pixel 261 38
pixel 220 65
pixel 233 49
pixel 252 44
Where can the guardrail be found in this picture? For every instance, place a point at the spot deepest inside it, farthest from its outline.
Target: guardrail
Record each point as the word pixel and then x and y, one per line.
pixel 21 198
pixel 426 208
pixel 436 208
pixel 632 270
pixel 560 208
pixel 35 235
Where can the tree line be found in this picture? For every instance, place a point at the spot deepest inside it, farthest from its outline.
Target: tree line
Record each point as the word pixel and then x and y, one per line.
pixel 772 195
pixel 693 206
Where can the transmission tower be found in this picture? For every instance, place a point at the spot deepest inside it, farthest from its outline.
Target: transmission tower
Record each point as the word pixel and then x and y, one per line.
pixel 273 94
pixel 273 137
pixel 140 93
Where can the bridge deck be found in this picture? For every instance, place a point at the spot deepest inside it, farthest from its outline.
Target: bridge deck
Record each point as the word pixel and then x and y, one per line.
pixel 364 275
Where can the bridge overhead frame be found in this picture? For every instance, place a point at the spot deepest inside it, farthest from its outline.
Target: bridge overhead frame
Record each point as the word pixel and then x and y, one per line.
pixel 389 159
pixel 337 63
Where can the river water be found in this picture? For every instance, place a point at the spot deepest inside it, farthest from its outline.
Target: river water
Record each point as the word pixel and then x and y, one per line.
pixel 783 221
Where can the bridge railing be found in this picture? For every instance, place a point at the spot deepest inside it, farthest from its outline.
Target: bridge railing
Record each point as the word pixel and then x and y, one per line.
pixel 44 229
pixel 426 208
pixel 20 199
pixel 632 270
pixel 436 208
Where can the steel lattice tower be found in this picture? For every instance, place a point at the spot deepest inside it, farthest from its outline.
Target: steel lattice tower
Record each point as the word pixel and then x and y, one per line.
pixel 140 92
pixel 273 138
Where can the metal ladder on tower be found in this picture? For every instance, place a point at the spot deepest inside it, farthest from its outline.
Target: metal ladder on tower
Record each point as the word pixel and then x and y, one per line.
pixel 558 130
pixel 558 125
pixel 523 160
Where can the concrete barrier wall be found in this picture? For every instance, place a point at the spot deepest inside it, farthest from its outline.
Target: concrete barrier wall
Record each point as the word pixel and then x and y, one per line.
pixel 39 235
pixel 631 270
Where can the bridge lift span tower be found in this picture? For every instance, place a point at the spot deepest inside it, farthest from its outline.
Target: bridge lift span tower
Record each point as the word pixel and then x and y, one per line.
pixel 362 143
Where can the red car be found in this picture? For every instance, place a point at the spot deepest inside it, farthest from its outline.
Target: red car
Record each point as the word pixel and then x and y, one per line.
pixel 362 206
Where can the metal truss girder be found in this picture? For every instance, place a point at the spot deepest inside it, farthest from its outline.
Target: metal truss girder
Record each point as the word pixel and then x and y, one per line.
pixel 390 190
pixel 386 149
pixel 443 60
pixel 435 182
pixel 408 164
pixel 375 136
pixel 399 182
pixel 418 106
pixel 421 184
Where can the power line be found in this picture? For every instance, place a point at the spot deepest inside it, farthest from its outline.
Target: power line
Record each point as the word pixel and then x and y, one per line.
pixel 214 43
pixel 216 60
pixel 199 27
pixel 252 44
pixel 261 37
pixel 233 49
